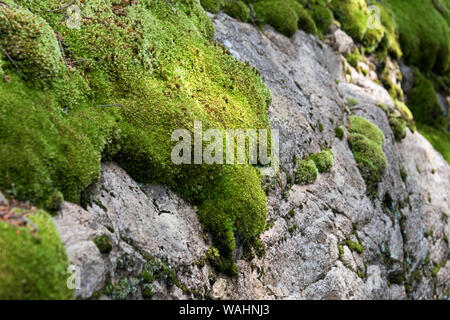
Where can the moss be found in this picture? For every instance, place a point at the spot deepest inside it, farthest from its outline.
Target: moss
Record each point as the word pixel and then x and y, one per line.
pixel 306 22
pixel 237 9
pixel 282 15
pixel 424 34
pixel 103 243
pixel 398 126
pixel 221 264
pixel 440 139
pixel 353 15
pixel 323 160
pixel 155 59
pixel 403 174
pixel 366 141
pixel 307 172
pixel 340 250
pixel 438 268
pixel 340 133
pixel 321 14
pixel 355 246
pixel 351 102
pixel 423 101
pixel 212 6
pixel 33 264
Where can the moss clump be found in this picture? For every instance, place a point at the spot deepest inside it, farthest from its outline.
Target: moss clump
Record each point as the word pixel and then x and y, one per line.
pixel 157 61
pixel 33 264
pixel 321 14
pixel 403 174
pixel 340 133
pixel 424 34
pixel 366 142
pixel 282 15
pixel 398 126
pixel 355 246
pixel 237 9
pixel 423 101
pixel 31 43
pixel 323 160
pixel 212 6
pixel 103 243
pixel 307 172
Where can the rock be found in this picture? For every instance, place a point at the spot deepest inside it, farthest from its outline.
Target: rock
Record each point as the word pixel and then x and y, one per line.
pixel 302 259
pixel 342 42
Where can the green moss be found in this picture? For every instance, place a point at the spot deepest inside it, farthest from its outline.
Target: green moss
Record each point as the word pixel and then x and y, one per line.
pixel 157 61
pixel 366 128
pixel 323 160
pixel 237 9
pixel 321 14
pixel 351 102
pixel 103 243
pixel 282 15
pixel 366 141
pixel 398 126
pixel 340 133
pixel 212 6
pixel 33 264
pixel 440 139
pixel 424 34
pixel 403 174
pixel 307 172
pixel 353 15
pixel 355 246
pixel 423 101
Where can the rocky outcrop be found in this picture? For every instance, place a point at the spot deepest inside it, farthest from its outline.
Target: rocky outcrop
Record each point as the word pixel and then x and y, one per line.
pixel 328 240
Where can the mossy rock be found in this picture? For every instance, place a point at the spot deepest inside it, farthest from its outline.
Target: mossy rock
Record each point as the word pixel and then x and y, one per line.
pixel 103 243
pixel 321 14
pixel 282 15
pixel 398 126
pixel 324 160
pixel 352 16
pixel 366 142
pixel 237 9
pixel 340 133
pixel 155 60
pixel 307 172
pixel 33 264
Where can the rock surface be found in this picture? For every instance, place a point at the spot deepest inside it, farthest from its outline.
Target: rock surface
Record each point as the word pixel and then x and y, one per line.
pixel 404 232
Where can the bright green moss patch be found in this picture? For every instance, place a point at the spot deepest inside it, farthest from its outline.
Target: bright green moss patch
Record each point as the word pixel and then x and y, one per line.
pixel 366 142
pixel 237 9
pixel 103 243
pixel 212 6
pixel 156 61
pixel 355 246
pixel 307 172
pixel 424 34
pixel 33 264
pixel 282 15
pixel 324 160
pixel 440 139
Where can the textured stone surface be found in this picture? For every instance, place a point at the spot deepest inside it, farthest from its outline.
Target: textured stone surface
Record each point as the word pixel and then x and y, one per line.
pixel 403 231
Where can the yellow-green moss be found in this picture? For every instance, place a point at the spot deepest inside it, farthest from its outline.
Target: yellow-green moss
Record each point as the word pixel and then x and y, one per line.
pixel 33 264
pixel 307 172
pixel 155 59
pixel 340 133
pixel 398 126
pixel 324 160
pixel 366 142
pixel 237 9
pixel 212 5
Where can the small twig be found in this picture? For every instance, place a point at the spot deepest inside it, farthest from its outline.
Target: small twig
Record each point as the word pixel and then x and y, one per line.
pixel 61 47
pixel 63 7
pixel 12 60
pixel 109 105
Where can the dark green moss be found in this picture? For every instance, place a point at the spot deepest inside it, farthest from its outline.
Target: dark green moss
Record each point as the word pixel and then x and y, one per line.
pixel 398 126
pixel 33 264
pixel 282 15
pixel 403 174
pixel 323 160
pixel 340 133
pixel 103 243
pixel 307 172
pixel 237 9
